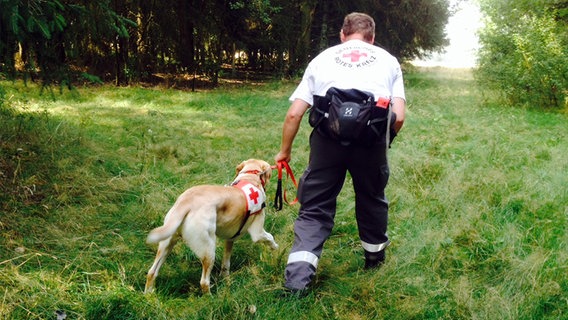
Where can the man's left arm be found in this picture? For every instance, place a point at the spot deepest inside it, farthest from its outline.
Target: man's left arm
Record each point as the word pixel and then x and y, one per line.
pixel 398 107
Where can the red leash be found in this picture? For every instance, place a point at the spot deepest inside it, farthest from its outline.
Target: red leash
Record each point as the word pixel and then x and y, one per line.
pixel 281 193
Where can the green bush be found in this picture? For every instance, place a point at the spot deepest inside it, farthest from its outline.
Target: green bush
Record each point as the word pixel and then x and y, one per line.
pixel 524 53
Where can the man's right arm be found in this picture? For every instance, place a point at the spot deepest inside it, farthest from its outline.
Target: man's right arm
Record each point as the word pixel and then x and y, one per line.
pixel 290 128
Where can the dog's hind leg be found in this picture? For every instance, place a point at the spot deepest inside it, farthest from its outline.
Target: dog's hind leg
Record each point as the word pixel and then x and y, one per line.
pixel 199 235
pixel 205 282
pixel 164 248
pixel 226 264
pixel 206 255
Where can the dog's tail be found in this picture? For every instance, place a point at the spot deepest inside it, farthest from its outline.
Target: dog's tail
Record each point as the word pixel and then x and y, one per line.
pixel 173 220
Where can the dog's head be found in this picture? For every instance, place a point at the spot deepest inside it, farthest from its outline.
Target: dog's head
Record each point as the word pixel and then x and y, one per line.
pixel 257 167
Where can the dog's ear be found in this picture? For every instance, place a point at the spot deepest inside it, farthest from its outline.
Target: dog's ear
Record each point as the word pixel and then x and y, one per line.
pixel 240 167
pixel 267 170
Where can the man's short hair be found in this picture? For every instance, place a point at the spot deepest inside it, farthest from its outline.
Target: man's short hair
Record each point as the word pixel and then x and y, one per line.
pixel 361 23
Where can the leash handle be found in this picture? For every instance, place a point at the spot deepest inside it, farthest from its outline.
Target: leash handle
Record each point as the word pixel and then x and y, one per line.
pixel 291 176
pixel 280 196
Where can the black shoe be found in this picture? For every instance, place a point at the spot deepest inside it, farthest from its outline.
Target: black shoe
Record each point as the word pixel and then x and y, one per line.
pixel 374 259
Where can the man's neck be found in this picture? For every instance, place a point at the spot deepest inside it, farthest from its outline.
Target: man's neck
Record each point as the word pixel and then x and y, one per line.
pixel 354 36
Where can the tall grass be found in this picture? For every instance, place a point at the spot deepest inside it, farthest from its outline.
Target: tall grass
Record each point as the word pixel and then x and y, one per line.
pixel 478 207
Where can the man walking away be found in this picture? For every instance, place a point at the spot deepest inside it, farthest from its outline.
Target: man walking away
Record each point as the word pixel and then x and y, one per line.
pixel 356 94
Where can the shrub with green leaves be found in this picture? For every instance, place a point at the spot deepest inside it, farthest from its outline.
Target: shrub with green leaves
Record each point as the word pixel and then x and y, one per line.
pixel 524 52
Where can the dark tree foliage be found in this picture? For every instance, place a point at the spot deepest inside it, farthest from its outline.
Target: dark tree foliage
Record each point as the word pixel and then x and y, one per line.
pixel 406 28
pixel 60 41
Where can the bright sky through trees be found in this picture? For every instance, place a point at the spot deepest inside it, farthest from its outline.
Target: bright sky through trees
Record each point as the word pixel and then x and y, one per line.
pixel 461 30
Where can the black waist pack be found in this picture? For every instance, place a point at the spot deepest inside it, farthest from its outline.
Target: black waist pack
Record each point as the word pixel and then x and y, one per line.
pixel 351 116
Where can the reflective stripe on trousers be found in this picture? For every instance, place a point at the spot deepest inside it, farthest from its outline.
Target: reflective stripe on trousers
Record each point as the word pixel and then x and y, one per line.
pixel 375 247
pixel 303 256
pixel 300 269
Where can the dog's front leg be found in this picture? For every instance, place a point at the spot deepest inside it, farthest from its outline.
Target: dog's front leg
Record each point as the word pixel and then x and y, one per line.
pixel 267 237
pixel 257 232
pixel 226 263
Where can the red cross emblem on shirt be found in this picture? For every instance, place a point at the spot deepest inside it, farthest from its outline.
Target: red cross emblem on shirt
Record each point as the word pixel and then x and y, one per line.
pixel 354 55
pixel 253 195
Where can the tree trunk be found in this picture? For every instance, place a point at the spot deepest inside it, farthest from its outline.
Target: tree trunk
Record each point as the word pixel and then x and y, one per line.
pixel 186 50
pixel 301 52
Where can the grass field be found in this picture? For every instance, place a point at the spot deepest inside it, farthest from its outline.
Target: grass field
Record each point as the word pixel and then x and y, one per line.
pixel 478 197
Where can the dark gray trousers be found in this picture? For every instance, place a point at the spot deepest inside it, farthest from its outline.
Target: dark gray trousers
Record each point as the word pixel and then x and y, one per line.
pixel 318 189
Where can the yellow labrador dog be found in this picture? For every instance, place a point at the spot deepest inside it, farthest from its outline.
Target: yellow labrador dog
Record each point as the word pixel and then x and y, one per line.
pixel 203 213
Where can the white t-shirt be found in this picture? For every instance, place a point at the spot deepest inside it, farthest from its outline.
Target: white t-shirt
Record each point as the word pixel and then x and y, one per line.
pixel 353 64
